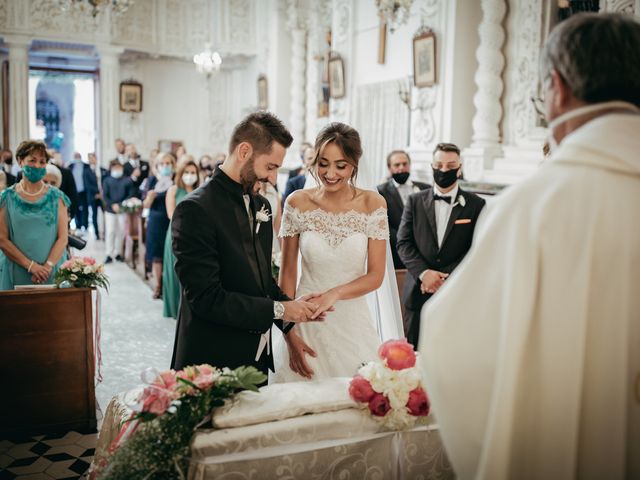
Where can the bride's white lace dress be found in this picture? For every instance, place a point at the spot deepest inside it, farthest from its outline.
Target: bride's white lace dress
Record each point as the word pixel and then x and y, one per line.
pixel 333 248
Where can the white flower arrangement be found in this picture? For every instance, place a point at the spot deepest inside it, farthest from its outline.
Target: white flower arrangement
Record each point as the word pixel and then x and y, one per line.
pixel 461 201
pixel 131 205
pixel 262 216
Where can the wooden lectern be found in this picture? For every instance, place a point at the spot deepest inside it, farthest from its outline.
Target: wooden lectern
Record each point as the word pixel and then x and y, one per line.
pixel 46 361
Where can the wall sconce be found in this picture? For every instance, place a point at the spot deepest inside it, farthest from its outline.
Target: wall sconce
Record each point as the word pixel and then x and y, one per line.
pixel 405 92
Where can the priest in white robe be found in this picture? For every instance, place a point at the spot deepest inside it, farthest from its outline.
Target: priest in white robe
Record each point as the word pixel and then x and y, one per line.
pixel 531 351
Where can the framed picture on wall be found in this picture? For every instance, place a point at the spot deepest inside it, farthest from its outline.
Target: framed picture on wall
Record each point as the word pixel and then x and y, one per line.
pixel 424 58
pixel 336 77
pixel 131 97
pixel 169 145
pixel 263 92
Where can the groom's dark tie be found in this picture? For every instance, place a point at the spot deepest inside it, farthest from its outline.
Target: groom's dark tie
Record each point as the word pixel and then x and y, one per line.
pixel 445 199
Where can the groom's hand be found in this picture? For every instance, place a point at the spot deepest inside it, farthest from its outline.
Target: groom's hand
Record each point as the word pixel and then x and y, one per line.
pixel 298 311
pixel 297 359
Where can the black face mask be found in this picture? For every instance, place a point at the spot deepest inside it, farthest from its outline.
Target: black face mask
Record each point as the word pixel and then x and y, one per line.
pixel 445 179
pixel 401 177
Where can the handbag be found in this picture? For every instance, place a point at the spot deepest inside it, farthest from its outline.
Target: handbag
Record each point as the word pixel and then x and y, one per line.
pixel 76 242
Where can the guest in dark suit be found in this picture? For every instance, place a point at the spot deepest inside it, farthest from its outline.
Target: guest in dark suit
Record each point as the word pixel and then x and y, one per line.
pixel 78 169
pixel 435 234
pixel 6 164
pixel 93 177
pixel 297 182
pixel 135 168
pixel 223 261
pixel 396 192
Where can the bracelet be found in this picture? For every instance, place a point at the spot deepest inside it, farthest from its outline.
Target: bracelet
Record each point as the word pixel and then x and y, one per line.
pixel 30 265
pixel 50 263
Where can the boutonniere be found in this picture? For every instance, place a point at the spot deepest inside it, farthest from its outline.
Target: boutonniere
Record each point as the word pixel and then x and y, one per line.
pixel 262 216
pixel 461 201
pixel 416 189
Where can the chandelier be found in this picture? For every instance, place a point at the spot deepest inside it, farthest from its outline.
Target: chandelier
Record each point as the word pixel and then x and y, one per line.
pixel 207 61
pixel 394 12
pixel 118 7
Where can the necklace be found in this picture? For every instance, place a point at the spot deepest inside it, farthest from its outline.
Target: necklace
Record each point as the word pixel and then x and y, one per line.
pixel 32 194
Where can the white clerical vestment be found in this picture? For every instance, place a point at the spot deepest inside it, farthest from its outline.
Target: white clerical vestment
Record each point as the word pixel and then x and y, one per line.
pixel 531 351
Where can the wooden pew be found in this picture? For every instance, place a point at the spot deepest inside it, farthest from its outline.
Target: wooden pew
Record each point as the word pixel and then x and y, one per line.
pixel 46 361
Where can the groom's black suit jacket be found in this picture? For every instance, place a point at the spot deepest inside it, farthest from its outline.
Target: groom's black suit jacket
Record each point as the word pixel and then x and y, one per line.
pixel 418 240
pixel 224 269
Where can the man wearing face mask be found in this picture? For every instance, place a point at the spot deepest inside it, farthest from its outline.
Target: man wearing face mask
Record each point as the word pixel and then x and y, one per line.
pixel 116 188
pixel 435 234
pixel 396 192
pixel 6 164
pixel 532 353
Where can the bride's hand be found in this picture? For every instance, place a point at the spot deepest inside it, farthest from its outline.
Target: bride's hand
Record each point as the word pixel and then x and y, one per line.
pixel 325 303
pixel 297 350
pixel 313 299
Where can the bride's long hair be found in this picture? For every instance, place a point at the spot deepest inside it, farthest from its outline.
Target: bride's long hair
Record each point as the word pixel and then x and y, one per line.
pixel 346 139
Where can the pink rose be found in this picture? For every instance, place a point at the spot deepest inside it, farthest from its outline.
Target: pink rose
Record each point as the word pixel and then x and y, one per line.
pixel 89 261
pixel 379 405
pixel 398 354
pixel 418 403
pixel 166 379
pixel 204 382
pixel 156 400
pixel 66 265
pixel 360 389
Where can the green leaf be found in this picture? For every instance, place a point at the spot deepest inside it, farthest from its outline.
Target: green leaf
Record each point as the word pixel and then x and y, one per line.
pixel 249 377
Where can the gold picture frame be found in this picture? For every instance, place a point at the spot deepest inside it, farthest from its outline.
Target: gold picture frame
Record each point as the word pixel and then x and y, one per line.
pixel 424 58
pixel 131 97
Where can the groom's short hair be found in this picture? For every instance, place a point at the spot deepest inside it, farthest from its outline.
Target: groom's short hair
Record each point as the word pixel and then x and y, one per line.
pixel 260 129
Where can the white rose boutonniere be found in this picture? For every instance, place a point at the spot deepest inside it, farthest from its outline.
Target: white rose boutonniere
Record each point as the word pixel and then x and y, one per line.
pixel 461 201
pixel 416 189
pixel 262 216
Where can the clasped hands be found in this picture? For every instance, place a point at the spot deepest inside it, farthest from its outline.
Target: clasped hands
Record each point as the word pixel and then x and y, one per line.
pixel 40 273
pixel 309 308
pixel 432 280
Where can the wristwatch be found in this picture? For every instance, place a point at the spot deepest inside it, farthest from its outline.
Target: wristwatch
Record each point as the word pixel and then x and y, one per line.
pixel 278 310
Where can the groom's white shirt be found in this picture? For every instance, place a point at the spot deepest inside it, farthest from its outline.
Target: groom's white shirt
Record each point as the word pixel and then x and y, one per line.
pixel 531 353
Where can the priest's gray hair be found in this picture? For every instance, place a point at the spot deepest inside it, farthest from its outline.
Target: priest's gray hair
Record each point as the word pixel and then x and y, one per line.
pixel 597 55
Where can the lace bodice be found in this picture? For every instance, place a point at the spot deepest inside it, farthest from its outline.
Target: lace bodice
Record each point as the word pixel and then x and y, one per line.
pixel 333 246
pixel 335 227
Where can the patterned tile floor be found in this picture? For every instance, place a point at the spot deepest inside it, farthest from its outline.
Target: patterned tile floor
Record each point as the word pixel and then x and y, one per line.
pixel 67 455
pixel 135 336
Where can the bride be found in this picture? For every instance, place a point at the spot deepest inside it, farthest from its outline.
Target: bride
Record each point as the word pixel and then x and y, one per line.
pixel 341 233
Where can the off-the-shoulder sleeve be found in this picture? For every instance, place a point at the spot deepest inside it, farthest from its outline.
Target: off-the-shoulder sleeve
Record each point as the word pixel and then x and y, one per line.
pixel 378 225
pixel 59 194
pixel 292 223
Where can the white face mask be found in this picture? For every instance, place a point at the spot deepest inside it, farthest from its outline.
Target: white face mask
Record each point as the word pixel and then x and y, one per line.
pixel 189 179
pixel 577 112
pixel 116 173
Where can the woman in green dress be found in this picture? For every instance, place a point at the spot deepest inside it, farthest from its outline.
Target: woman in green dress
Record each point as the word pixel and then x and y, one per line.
pixel 33 223
pixel 187 180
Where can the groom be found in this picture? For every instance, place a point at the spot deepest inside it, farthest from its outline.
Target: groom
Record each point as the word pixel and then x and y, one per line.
pixel 223 257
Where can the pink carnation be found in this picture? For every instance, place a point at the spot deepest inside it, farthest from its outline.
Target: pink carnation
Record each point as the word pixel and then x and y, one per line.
pixel 398 354
pixel 360 389
pixel 418 403
pixel 379 405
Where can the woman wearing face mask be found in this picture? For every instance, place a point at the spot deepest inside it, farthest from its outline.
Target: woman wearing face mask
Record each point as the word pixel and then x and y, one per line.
pixel 158 221
pixel 33 223
pixel 187 180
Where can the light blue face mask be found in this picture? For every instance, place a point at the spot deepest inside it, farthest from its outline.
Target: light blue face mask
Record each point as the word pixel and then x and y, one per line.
pixel 165 170
pixel 34 174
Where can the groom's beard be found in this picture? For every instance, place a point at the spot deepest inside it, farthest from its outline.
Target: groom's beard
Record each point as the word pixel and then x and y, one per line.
pixel 248 177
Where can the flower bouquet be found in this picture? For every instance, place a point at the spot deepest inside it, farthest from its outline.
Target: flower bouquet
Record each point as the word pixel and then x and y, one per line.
pixel 169 410
pixel 131 205
pixel 276 261
pixel 81 272
pixel 391 387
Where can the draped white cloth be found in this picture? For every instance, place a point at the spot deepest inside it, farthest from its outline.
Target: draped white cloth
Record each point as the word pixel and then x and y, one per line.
pixel 531 352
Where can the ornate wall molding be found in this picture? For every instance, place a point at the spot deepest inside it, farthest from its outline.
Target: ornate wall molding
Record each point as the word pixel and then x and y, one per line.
pixel 296 25
pixel 620 6
pixel 342 42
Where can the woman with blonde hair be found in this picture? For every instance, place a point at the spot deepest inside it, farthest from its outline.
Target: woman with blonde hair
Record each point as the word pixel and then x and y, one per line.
pixel 186 181
pixel 158 222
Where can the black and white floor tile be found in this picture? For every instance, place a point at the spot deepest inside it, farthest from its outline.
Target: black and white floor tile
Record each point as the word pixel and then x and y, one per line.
pixel 43 457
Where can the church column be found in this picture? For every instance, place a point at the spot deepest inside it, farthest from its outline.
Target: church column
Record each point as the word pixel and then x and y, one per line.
pixel 298 57
pixel 485 145
pixel 109 100
pixel 18 89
